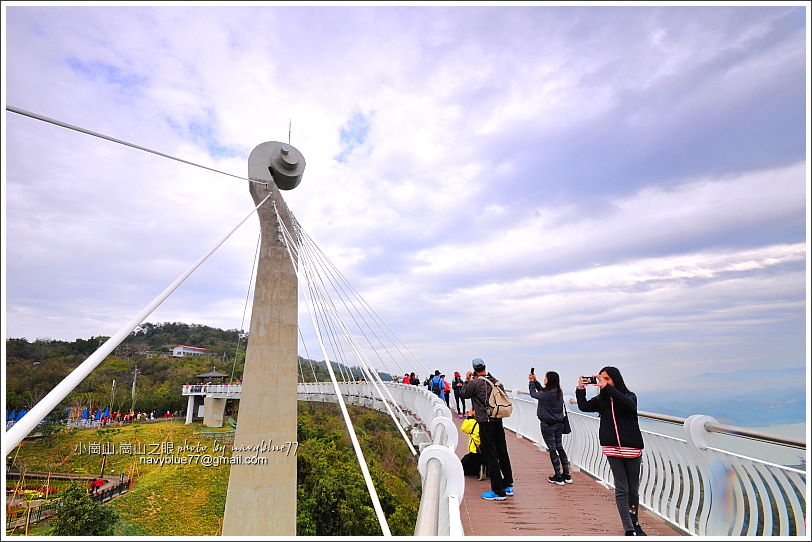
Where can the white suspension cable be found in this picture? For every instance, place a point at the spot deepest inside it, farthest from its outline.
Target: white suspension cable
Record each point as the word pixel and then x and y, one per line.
pixel 23 427
pixel 245 308
pixel 121 142
pixel 375 316
pixel 341 292
pixel 376 504
pixel 310 287
pixel 366 366
pixel 373 375
pixel 291 245
pixel 374 378
pixel 309 361
pixel 301 371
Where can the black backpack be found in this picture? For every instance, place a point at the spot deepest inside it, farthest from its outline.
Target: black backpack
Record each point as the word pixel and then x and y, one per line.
pixel 435 386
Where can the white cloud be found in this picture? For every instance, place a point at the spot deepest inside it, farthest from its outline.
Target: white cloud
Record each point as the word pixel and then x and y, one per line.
pixel 442 217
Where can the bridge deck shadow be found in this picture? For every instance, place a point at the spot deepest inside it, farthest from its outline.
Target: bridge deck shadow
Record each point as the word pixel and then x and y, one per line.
pixel 539 508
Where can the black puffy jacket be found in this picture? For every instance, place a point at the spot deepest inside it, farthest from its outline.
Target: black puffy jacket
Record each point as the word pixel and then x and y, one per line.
pixel 550 408
pixel 625 418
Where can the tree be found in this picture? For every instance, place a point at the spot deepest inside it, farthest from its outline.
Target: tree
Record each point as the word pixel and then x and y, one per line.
pixel 54 422
pixel 79 515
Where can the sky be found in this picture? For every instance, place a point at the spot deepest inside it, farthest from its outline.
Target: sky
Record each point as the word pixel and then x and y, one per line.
pixel 559 187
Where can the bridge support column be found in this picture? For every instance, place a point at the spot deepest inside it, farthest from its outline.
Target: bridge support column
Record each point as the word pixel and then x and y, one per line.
pixel 261 498
pixel 190 409
pixel 213 411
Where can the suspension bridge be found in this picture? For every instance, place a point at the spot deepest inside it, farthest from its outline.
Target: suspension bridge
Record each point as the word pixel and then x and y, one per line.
pixel 687 485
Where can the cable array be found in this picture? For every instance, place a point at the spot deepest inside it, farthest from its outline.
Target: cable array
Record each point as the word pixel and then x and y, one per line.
pixel 332 305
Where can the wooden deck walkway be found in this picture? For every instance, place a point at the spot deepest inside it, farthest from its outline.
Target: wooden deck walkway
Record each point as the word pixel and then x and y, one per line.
pixel 539 508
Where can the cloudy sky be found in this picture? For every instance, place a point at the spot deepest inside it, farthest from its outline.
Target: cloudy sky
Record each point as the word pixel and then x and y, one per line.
pixel 557 187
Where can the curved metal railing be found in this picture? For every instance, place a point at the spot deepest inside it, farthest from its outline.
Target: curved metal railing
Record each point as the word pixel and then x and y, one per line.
pixel 433 431
pixel 698 488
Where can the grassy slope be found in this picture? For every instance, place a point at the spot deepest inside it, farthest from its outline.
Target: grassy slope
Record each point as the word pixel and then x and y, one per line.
pixel 165 500
pixel 189 500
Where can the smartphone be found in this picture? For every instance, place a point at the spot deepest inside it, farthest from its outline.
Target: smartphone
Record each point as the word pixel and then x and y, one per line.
pixel 532 370
pixel 589 380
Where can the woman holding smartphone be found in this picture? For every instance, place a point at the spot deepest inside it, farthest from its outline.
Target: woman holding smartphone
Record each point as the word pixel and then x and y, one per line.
pixel 620 439
pixel 550 413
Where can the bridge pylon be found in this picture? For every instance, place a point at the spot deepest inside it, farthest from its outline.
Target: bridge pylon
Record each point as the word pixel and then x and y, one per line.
pixel 261 498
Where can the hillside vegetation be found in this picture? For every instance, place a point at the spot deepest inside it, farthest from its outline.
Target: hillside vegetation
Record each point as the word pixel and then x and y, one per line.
pixel 33 368
pixel 189 500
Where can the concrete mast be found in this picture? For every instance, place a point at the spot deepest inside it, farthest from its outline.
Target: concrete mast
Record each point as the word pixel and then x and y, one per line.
pixel 261 498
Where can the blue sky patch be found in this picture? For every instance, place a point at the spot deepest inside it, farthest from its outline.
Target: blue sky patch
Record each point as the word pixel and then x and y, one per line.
pixel 203 134
pixel 95 70
pixel 352 135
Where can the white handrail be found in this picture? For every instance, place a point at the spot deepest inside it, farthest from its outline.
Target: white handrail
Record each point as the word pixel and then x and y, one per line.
pixel 697 488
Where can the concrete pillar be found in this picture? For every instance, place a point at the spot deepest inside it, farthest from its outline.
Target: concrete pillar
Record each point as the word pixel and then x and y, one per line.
pixel 190 409
pixel 261 498
pixel 213 411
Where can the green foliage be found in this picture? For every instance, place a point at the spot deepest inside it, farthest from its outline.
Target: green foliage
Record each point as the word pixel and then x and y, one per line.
pixel 309 366
pixel 54 422
pixel 35 368
pixel 165 500
pixel 78 514
pixel 332 496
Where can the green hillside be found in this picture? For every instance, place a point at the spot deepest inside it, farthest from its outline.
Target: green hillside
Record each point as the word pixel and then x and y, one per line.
pixel 189 500
pixel 33 368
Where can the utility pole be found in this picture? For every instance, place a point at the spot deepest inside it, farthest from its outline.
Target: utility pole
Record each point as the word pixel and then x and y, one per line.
pixel 261 498
pixel 112 395
pixel 135 377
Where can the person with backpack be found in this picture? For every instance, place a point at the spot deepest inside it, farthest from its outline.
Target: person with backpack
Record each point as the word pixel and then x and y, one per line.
pixel 550 412
pixel 620 438
pixel 437 385
pixel 488 399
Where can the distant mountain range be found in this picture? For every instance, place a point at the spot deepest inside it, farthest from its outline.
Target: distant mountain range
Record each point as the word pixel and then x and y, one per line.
pixel 747 398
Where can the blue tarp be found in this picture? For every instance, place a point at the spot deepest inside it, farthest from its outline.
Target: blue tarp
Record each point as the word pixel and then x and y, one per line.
pixel 85 414
pixel 13 415
pixel 20 415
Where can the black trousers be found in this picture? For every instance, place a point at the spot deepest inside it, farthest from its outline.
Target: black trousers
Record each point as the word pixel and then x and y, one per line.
pixel 627 482
pixel 494 448
pixel 458 398
pixel 552 435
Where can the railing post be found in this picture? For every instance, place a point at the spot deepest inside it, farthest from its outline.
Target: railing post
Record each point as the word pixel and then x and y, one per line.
pixel 714 471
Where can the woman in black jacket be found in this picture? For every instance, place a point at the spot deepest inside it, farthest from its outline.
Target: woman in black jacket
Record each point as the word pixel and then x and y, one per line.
pixel 551 417
pixel 620 438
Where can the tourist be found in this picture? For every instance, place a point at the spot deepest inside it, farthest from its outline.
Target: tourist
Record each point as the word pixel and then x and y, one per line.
pixel 620 438
pixel 457 384
pixel 437 385
pixel 472 461
pixel 550 413
pixel 491 432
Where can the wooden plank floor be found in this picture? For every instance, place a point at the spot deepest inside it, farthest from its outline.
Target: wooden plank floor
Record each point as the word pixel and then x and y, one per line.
pixel 539 508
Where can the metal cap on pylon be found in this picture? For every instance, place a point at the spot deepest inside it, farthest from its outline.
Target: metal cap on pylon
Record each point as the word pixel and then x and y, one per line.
pixel 286 165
